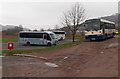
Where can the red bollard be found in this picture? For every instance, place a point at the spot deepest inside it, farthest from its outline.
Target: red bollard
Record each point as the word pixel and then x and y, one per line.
pixel 10 45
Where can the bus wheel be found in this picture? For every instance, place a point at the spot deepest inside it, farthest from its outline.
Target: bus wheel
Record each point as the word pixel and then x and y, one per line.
pixel 106 36
pixel 61 38
pixel 112 35
pixel 49 44
pixel 28 43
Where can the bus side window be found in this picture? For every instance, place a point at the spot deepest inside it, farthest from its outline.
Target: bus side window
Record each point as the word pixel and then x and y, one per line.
pixel 113 26
pixel 45 36
pixel 102 25
pixel 48 37
pixel 39 35
pixel 106 25
pixel 23 35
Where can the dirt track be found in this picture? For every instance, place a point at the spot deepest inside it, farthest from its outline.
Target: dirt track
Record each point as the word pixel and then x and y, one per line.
pixel 87 59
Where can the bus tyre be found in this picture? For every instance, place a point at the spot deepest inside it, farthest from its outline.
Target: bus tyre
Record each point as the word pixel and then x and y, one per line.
pixel 61 38
pixel 106 36
pixel 28 43
pixel 49 44
pixel 112 35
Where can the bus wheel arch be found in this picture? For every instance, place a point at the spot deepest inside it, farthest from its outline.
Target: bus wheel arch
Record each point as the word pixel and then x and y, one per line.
pixel 61 38
pixel 28 43
pixel 113 35
pixel 49 44
pixel 106 36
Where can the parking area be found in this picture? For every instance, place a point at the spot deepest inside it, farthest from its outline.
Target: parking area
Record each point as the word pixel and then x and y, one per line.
pixel 87 59
pixel 17 46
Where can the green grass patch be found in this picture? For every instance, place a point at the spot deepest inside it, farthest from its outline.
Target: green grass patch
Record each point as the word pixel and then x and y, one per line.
pixel 72 38
pixel 10 52
pixel 9 39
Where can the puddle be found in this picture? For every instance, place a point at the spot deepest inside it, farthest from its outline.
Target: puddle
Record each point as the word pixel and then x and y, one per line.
pixel 51 64
pixel 2 56
pixel 113 45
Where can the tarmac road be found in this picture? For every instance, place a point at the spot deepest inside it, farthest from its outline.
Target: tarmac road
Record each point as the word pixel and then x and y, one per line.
pixel 21 47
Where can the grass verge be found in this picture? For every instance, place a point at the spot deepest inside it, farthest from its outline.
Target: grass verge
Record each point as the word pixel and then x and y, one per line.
pixel 9 39
pixel 10 52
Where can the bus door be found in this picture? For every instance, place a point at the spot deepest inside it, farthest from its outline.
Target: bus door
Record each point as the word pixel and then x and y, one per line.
pixel 44 39
pixel 103 28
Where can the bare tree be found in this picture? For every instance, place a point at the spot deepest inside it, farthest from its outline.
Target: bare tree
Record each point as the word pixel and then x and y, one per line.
pixel 42 29
pixel 35 30
pixel 73 17
pixel 49 29
pixel 56 27
pixel 20 27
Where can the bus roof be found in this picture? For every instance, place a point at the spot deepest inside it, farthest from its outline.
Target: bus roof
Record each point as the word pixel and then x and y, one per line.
pixel 58 31
pixel 102 20
pixel 35 32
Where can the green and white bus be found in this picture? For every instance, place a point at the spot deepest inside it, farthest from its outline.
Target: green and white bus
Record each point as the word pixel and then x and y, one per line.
pixel 37 37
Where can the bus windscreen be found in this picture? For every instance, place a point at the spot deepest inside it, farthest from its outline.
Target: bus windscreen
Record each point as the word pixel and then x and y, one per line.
pixel 92 25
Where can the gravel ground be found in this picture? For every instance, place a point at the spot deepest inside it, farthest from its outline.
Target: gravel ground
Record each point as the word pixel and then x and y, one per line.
pixel 87 59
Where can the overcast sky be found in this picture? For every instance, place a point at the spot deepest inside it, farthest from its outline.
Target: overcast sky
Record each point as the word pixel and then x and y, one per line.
pixel 37 15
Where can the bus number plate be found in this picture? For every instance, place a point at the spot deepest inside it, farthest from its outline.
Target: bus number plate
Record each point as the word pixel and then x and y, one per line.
pixel 92 38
